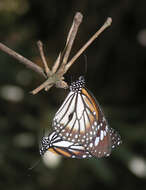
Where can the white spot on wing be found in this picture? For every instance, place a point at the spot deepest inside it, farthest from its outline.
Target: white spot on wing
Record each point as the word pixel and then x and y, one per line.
pixel 67 134
pixel 76 136
pixel 101 135
pixel 94 133
pixel 77 147
pixel 95 123
pixel 96 141
pixel 91 145
pixel 91 133
pixel 94 113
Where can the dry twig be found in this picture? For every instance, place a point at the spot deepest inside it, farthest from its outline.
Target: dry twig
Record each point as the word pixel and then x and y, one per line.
pixel 55 75
pixel 22 60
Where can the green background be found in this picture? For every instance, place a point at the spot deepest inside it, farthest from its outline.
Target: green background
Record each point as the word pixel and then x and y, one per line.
pixel 115 74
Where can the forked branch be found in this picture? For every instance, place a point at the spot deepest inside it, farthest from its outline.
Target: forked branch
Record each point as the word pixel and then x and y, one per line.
pixel 55 75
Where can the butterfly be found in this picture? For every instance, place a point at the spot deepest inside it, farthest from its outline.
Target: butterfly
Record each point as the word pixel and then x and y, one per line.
pixel 80 122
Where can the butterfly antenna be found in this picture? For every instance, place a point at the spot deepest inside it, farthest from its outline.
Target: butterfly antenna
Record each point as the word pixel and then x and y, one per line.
pixel 85 56
pixel 35 164
pixel 72 79
pixel 44 132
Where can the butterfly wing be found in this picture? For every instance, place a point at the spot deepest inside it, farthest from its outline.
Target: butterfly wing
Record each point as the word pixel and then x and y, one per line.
pixel 103 144
pixel 72 151
pixel 77 120
pixel 57 145
pixel 100 146
pixel 106 140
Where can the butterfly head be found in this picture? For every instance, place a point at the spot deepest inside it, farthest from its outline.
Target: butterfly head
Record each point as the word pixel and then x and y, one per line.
pixel 45 145
pixel 77 85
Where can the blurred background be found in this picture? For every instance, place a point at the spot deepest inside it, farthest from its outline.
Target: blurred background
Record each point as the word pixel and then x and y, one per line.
pixel 115 74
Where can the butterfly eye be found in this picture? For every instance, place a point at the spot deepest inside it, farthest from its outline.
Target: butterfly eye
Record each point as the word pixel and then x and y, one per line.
pixel 81 78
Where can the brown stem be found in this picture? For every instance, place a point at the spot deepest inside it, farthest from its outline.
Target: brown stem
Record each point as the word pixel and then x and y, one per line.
pixel 46 68
pixel 71 36
pixel 22 59
pixel 70 39
pixel 105 25
pixel 56 64
pixel 48 83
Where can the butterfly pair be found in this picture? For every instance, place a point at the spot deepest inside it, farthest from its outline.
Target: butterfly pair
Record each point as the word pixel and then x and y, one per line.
pixel 80 129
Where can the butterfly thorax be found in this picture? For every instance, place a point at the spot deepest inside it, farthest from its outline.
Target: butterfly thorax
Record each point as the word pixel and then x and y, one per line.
pixel 77 85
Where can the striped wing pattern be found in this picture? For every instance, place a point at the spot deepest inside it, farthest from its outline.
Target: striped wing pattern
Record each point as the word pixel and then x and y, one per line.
pixel 80 127
pixel 59 146
pixel 77 119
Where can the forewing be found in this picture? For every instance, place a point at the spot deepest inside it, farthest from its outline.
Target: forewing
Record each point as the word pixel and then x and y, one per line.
pixel 64 115
pixel 78 118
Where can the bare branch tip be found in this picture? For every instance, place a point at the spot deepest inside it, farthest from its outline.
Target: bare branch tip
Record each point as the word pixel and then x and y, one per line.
pixel 78 17
pixel 39 43
pixel 32 93
pixel 108 21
